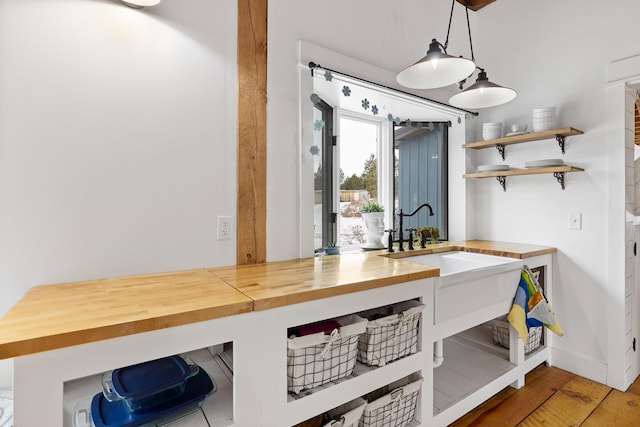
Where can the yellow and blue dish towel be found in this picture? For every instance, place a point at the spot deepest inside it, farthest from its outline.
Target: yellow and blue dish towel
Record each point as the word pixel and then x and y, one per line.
pixel 530 307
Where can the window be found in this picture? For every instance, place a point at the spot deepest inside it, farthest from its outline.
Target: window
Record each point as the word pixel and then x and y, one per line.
pixel 414 174
pixel 361 155
pixel 359 148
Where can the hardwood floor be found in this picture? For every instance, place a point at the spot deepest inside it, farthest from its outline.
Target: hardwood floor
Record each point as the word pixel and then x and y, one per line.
pixel 556 398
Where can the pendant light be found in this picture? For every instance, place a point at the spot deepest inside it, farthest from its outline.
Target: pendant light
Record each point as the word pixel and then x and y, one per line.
pixel 437 68
pixel 483 93
pixel 139 4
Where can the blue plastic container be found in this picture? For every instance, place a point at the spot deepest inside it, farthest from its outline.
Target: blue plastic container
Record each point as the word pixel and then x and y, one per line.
pixel 144 386
pixel 117 413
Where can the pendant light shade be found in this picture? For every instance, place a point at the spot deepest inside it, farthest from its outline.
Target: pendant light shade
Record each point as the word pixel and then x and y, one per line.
pixel 482 94
pixel 140 3
pixel 436 69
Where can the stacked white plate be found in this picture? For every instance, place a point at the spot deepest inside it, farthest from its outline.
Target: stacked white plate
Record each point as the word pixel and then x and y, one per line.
pixel 491 131
pixel 493 168
pixel 544 119
pixel 544 163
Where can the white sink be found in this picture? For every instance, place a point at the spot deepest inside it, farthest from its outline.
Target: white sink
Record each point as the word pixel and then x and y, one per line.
pixel 471 282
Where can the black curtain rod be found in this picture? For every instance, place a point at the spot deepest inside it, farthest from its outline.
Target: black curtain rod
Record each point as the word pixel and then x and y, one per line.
pixel 313 66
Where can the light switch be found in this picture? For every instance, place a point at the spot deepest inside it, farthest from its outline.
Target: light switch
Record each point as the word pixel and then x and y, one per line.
pixel 575 221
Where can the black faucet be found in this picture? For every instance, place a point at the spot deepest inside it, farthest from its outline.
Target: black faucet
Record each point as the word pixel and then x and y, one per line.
pixel 390 231
pixel 402 215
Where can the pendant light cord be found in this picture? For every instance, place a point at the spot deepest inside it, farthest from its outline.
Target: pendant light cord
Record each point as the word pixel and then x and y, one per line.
pixel 446 42
pixel 469 28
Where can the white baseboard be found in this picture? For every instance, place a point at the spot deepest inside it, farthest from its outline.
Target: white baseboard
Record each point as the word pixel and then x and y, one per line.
pixel 587 368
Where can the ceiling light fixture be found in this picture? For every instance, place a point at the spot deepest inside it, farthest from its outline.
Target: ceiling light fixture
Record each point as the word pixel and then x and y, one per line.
pixel 483 93
pixel 437 68
pixel 139 4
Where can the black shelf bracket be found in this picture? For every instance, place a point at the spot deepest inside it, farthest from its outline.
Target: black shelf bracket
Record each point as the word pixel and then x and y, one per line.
pixel 560 177
pixel 500 149
pixel 503 182
pixel 560 139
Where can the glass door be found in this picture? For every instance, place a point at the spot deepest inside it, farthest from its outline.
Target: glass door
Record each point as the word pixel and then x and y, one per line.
pixel 324 218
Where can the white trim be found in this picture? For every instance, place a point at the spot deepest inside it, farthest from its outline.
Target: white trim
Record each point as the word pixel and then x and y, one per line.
pixel 624 70
pixel 587 368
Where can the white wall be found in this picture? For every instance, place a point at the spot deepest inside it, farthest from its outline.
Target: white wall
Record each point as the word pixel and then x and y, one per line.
pixel 117 140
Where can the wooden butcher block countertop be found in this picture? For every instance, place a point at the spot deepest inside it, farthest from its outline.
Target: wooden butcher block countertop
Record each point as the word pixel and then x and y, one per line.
pixel 276 284
pixel 56 316
pixel 504 249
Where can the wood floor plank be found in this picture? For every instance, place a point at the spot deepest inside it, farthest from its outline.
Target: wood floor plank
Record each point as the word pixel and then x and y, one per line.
pixel 618 409
pixel 570 406
pixel 635 387
pixel 513 407
pixel 474 418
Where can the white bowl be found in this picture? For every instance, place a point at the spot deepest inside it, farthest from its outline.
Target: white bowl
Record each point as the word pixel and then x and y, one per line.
pixel 491 131
pixel 544 111
pixel 540 125
pixel 491 125
pixel 491 134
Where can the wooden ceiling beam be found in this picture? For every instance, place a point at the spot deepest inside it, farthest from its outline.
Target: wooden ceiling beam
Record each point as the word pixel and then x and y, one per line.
pixel 475 5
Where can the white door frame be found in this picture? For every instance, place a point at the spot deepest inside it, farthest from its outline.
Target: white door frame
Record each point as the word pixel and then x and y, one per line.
pixel 620 230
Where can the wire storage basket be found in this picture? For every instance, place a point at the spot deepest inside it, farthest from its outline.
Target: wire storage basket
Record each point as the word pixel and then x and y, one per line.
pixel 395 409
pixel 347 415
pixel 501 328
pixel 392 333
pixel 317 358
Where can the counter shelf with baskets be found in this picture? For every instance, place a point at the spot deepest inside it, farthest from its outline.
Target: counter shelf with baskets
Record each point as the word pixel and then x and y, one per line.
pixel 317 358
pixel 394 404
pixel 501 329
pixel 390 340
pixel 326 351
pixel 347 415
pixel 392 333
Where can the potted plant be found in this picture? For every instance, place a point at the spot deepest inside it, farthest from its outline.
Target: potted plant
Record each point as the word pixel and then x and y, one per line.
pixel 373 219
pixel 435 234
pixel 428 234
pixel 332 249
pixel 370 207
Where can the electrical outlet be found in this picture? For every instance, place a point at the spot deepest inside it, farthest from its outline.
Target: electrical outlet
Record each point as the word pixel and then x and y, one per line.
pixel 575 221
pixel 224 228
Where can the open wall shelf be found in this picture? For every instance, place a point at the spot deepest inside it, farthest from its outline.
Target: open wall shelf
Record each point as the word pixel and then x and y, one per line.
pixel 557 171
pixel 500 143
